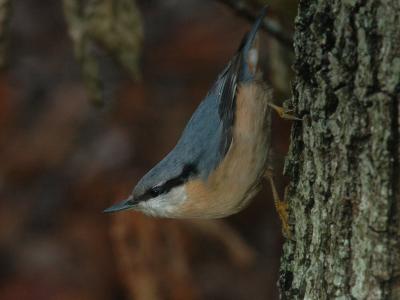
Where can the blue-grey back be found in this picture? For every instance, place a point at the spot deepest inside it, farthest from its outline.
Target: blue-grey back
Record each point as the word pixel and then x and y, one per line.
pixel 199 144
pixel 208 134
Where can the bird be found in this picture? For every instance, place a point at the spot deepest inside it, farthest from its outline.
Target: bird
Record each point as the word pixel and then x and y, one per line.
pixel 220 160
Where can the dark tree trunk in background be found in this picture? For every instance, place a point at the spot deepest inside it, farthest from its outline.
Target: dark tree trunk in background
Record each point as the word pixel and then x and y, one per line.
pixel 343 161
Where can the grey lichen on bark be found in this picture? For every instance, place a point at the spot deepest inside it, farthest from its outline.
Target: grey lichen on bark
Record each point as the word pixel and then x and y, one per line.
pixel 343 160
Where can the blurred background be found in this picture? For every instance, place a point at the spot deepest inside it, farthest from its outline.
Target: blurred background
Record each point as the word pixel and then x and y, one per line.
pixel 63 160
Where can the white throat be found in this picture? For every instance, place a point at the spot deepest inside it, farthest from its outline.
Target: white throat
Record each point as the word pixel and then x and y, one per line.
pixel 165 205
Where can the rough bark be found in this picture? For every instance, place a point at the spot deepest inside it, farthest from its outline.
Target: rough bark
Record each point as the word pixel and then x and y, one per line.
pixel 343 161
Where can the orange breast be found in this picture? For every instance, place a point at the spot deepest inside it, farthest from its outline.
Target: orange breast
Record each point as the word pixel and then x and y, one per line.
pixel 234 182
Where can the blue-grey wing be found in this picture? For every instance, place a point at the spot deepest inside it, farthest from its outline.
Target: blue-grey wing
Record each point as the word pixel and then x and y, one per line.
pixel 227 102
pixel 208 135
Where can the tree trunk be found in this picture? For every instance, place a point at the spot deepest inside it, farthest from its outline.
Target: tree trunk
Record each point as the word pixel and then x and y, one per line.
pixel 343 162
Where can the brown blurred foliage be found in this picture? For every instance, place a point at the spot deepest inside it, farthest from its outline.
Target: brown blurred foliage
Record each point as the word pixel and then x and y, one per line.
pixel 114 26
pixel 62 161
pixel 4 21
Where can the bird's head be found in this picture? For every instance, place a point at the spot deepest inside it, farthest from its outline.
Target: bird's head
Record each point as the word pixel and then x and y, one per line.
pixel 159 193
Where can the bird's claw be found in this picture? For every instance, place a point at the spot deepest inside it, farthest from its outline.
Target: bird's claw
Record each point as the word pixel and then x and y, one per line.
pixel 284 113
pixel 281 206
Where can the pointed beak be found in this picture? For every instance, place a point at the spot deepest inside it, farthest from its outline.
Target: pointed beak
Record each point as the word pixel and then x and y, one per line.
pixel 123 205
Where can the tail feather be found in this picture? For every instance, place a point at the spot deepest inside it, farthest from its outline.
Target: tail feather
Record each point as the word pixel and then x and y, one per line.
pixel 248 50
pixel 250 36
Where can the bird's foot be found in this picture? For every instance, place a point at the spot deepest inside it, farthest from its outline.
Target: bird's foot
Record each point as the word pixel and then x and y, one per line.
pixel 281 206
pixel 284 113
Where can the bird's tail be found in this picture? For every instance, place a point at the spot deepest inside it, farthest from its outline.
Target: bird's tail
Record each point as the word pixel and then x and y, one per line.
pixel 249 48
pixel 250 36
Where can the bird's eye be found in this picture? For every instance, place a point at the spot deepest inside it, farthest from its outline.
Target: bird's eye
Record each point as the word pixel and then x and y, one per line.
pixel 155 191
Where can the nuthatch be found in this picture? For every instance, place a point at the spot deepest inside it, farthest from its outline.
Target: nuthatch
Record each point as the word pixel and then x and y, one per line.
pixel 219 162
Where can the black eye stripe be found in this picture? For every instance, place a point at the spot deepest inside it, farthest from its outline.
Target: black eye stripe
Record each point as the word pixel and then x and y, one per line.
pixel 153 192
